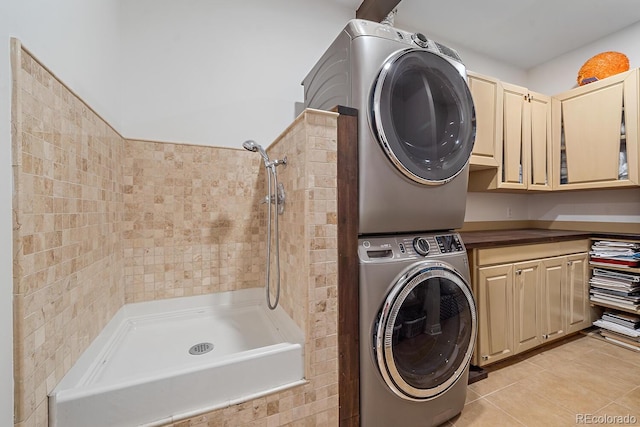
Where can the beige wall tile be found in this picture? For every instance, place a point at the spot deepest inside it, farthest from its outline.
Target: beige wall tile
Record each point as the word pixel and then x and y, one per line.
pixel 68 261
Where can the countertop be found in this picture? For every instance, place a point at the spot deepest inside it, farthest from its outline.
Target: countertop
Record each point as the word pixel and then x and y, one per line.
pixel 492 238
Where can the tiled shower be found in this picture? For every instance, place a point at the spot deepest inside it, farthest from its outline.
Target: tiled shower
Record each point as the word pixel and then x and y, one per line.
pixel 100 221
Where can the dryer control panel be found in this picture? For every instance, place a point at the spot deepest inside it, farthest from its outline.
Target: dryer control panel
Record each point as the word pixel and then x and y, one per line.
pixel 449 243
pixel 388 248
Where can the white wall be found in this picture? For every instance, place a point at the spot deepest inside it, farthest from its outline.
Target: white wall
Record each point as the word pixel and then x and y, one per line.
pixel 597 206
pixel 216 72
pixel 496 207
pixel 78 41
pixel 559 74
pixel 472 60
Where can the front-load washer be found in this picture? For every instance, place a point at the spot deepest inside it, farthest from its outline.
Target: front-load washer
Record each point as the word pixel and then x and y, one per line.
pixel 416 124
pixel 418 328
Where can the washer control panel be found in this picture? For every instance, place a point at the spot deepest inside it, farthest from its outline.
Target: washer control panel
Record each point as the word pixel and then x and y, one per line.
pixel 387 248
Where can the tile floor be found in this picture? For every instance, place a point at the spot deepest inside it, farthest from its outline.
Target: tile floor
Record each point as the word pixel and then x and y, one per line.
pixel 575 382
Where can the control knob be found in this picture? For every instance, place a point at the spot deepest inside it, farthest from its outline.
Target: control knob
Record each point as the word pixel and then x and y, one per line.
pixel 421 245
pixel 420 39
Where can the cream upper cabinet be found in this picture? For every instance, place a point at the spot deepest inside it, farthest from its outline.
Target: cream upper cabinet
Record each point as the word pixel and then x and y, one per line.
pixel 524 150
pixel 595 134
pixel 488 104
pixel 513 167
pixel 541 147
pixel 585 138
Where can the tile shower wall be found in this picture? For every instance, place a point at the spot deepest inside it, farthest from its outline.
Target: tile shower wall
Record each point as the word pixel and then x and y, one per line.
pixel 68 208
pixel 191 223
pixel 100 220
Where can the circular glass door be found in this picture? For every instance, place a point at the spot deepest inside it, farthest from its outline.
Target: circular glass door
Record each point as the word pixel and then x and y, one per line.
pixel 426 331
pixel 424 117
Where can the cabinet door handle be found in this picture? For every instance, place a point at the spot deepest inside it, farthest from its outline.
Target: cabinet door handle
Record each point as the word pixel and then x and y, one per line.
pixel 485 357
pixel 518 272
pixel 545 336
pixel 569 263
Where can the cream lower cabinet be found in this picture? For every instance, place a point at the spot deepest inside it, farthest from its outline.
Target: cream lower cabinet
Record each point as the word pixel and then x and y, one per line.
pixel 579 312
pixel 494 295
pixel 523 304
pixel 527 305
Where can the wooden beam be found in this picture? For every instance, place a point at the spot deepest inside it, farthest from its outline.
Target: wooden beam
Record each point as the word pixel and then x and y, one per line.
pixel 375 10
pixel 348 265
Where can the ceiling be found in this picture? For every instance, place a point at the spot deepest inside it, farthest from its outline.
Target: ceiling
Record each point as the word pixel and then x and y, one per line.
pixel 523 33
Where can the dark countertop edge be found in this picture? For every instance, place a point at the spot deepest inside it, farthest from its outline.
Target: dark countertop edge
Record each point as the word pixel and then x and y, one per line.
pixel 495 238
pixel 602 235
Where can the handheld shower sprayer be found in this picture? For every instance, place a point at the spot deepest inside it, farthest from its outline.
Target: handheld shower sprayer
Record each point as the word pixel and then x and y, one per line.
pixel 255 147
pixel 276 198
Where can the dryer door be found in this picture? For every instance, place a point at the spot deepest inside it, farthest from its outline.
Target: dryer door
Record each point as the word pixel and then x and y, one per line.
pixel 423 116
pixel 426 331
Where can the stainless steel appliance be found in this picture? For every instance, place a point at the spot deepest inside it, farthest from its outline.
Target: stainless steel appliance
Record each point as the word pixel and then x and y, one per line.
pixel 417 329
pixel 416 124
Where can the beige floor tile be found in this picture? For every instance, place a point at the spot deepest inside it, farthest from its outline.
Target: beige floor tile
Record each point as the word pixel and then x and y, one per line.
pixel 530 408
pixel 565 393
pixel 627 355
pixel 586 343
pixel 615 366
pixel 631 400
pixel 547 360
pixel 481 413
pixel 558 354
pixel 571 351
pixel 616 415
pixel 595 379
pixel 556 385
pixel 503 377
pixel 471 396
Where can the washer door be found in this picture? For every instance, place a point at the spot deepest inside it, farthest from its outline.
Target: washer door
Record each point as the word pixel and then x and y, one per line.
pixel 426 331
pixel 423 116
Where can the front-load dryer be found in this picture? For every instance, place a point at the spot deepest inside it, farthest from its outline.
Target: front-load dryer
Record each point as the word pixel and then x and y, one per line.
pixel 417 329
pixel 416 124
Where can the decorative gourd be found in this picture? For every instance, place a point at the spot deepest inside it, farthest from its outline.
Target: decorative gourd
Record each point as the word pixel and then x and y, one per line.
pixel 601 66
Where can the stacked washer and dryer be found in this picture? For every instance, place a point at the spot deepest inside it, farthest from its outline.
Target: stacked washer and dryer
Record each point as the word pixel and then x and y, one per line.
pixel 416 131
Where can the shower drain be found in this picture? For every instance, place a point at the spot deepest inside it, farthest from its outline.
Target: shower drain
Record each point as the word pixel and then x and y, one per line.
pixel 201 348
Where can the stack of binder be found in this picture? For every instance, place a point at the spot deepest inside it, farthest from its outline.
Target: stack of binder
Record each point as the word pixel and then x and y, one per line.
pixel 617 288
pixel 620 328
pixel 615 254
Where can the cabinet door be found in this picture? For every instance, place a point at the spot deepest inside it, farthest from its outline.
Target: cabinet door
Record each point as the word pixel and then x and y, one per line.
pixel 495 313
pixel 552 293
pixel 540 156
pixel 513 165
pixel 526 290
pixel 596 134
pixel 488 107
pixel 577 308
